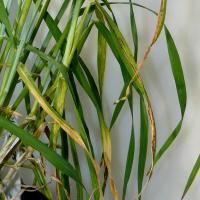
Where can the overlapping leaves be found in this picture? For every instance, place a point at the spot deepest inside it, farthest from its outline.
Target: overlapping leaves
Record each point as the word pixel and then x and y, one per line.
pixel 59 71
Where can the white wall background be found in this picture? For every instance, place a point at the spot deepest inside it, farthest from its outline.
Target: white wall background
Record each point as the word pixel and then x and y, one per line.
pixel 173 169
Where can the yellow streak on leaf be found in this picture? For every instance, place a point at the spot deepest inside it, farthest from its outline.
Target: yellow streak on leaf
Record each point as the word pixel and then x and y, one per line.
pixel 56 117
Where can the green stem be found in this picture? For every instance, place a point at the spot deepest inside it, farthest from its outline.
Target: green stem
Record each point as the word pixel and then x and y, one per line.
pixel 23 17
pixel 71 35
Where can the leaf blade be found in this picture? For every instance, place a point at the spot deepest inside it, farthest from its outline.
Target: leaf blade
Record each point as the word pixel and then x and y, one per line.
pixel 178 75
pixel 143 144
pixel 4 18
pixel 192 176
pixel 50 155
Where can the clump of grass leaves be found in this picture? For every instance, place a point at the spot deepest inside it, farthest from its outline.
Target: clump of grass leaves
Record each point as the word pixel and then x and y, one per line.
pixel 56 73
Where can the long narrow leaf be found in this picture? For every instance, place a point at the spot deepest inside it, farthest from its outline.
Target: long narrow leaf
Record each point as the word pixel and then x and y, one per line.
pixel 192 176
pixel 101 55
pixel 143 143
pixel 49 154
pixel 134 30
pixel 180 87
pixel 4 18
pixel 129 162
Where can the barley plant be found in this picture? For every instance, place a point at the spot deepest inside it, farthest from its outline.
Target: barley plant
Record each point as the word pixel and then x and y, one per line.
pixel 48 78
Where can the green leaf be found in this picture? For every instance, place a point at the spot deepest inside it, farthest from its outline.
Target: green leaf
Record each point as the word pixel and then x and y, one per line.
pixel 84 131
pixel 4 19
pixel 30 84
pixel 107 4
pixel 79 114
pixel 27 79
pixel 143 143
pixel 51 24
pixel 180 87
pixel 101 61
pixel 41 179
pixel 77 166
pixel 129 162
pixel 192 176
pixel 126 60
pixel 77 108
pixel 118 107
pixel 29 140
pixel 131 148
pixel 47 58
pixel 134 30
pixel 120 49
pixel 87 82
pixel 65 155
pixel 160 20
pixel 177 71
pixel 101 53
pixel 72 32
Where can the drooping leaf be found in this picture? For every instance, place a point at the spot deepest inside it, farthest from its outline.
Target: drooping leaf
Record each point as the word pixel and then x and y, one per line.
pixel 25 76
pixel 75 100
pixel 143 144
pixel 37 94
pixel 49 154
pixel 123 54
pixel 180 87
pixel 129 162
